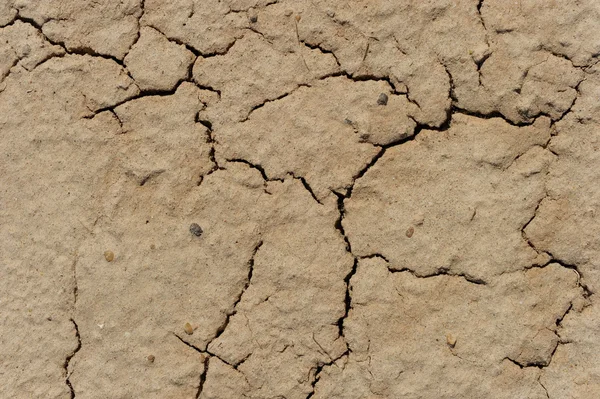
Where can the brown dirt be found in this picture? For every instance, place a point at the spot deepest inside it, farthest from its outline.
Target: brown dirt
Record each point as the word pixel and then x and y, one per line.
pixel 300 199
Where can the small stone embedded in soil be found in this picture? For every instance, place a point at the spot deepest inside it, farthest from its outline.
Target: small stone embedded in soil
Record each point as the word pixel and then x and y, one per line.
pixel 451 340
pixel 410 232
pixel 196 230
pixel 189 330
pixel 253 19
pixel 109 256
pixel 151 358
pixel 383 99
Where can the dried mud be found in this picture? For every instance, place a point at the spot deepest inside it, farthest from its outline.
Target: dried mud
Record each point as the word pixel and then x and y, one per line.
pixel 299 199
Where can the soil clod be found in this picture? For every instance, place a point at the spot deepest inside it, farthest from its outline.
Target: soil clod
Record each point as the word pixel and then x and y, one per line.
pixel 383 99
pixel 196 230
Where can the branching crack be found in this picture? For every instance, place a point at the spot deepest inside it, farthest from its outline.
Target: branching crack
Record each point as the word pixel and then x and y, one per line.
pixel 570 108
pixel 82 50
pixel 207 355
pixel 267 179
pixel 318 369
pixel 222 328
pixel 587 292
pixel 341 198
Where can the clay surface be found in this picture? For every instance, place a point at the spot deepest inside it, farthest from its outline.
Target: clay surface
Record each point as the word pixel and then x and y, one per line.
pixel 300 199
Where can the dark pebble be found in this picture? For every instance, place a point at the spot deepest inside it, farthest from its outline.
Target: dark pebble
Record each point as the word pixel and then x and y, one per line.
pixel 383 99
pixel 253 19
pixel 195 229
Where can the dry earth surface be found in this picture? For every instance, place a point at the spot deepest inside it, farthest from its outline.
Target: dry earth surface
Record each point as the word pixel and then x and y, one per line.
pixel 300 199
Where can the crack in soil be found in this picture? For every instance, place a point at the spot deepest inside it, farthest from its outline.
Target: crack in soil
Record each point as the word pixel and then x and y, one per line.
pixel 203 377
pixel 587 292
pixel 222 328
pixel 341 197
pixel 68 360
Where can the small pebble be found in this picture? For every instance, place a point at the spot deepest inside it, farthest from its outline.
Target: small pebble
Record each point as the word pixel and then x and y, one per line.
pixel 195 229
pixel 109 256
pixel 152 246
pixel 298 18
pixel 287 13
pixel 189 330
pixel 410 232
pixel 151 358
pixel 383 99
pixel 253 19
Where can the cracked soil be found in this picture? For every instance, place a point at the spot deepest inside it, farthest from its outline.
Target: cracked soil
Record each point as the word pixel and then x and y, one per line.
pixel 293 199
